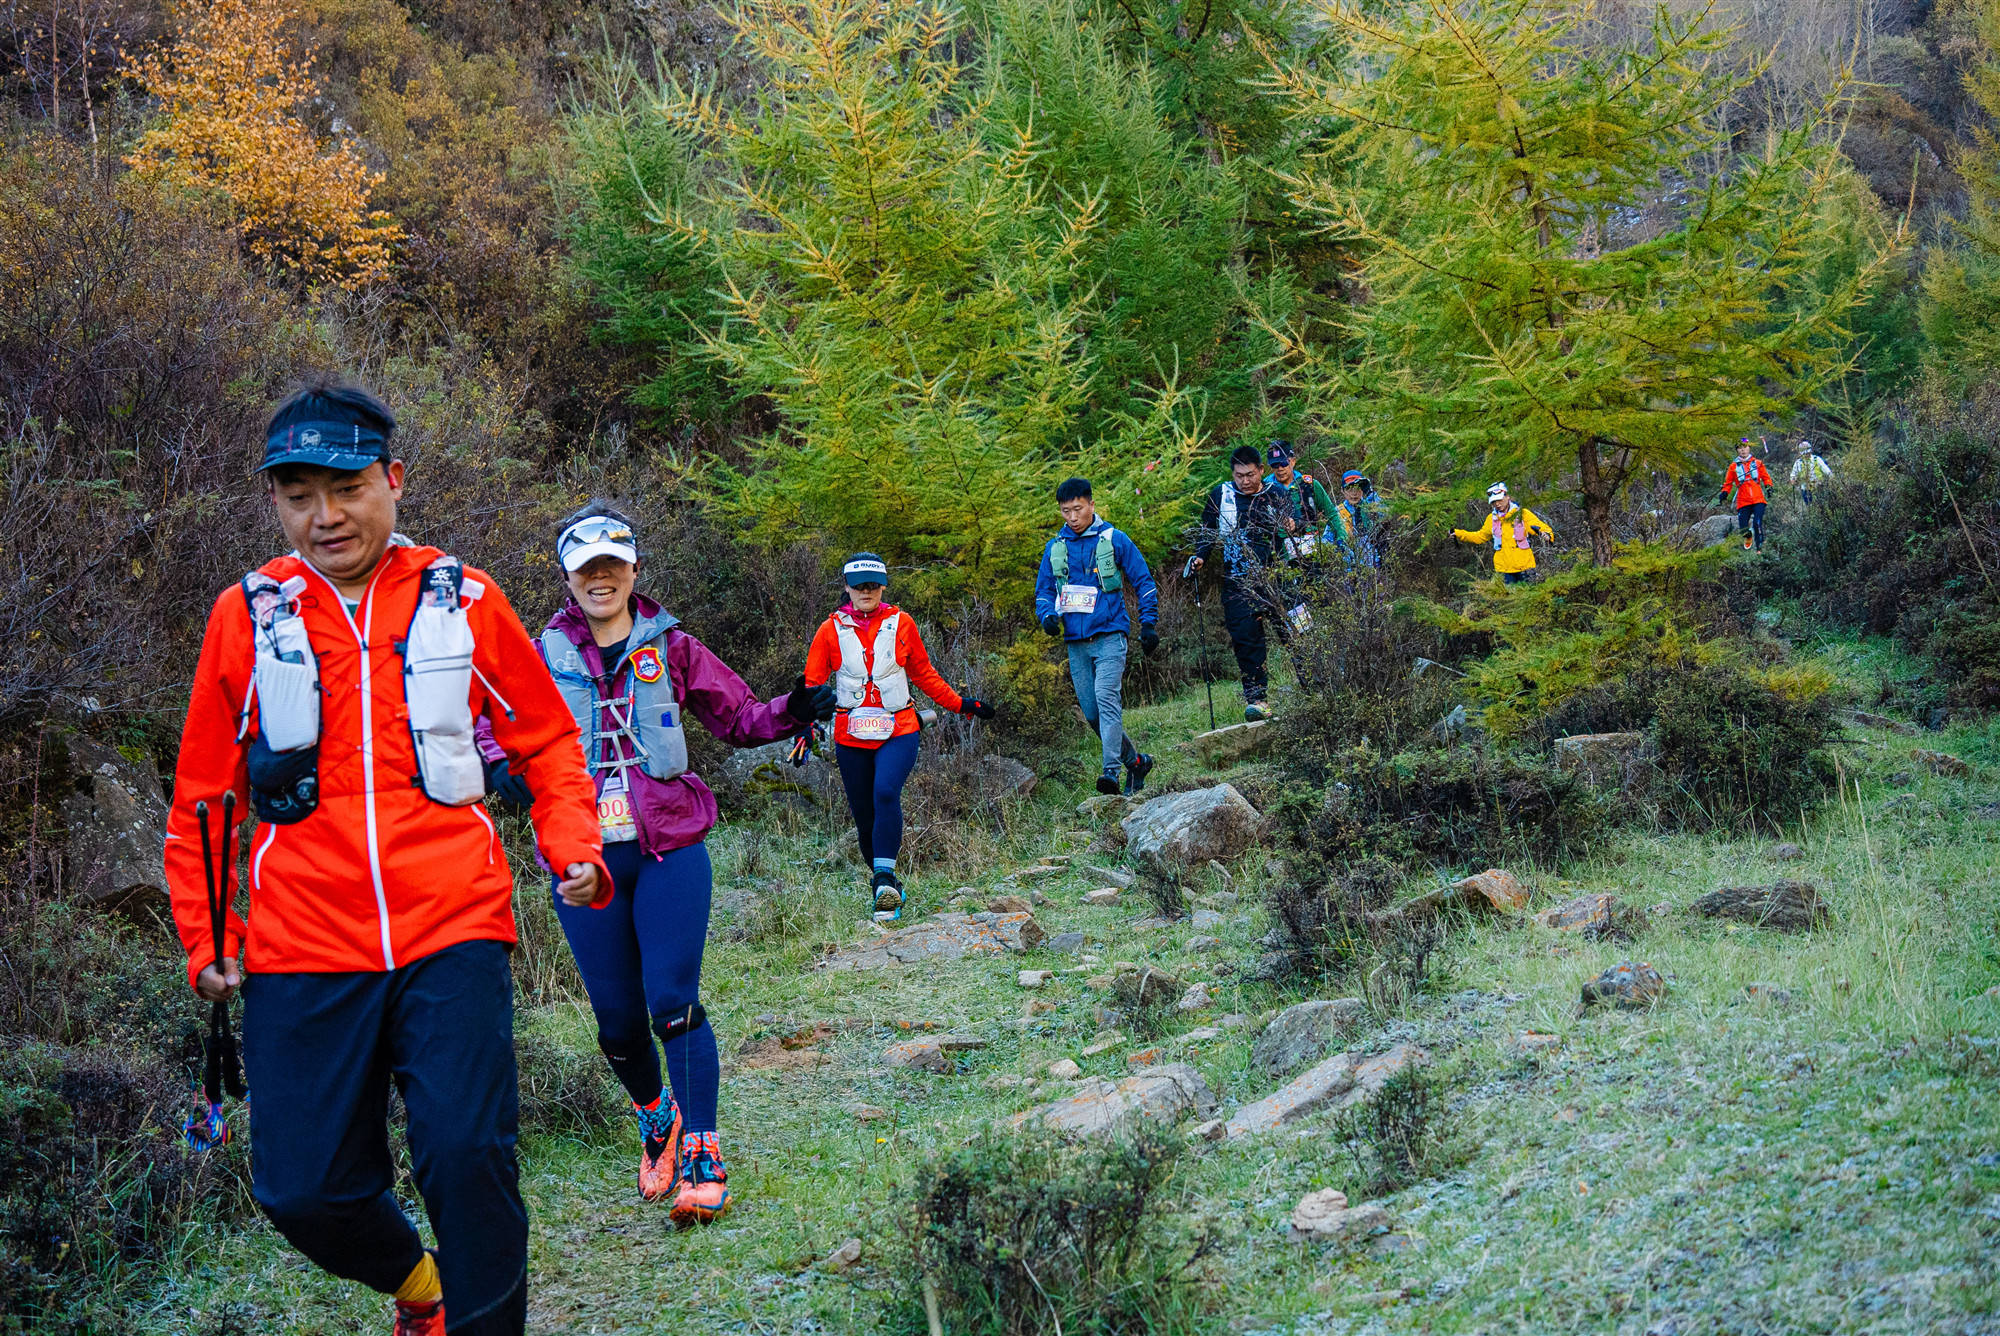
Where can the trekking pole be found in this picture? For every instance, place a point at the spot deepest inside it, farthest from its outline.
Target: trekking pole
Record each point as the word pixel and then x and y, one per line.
pixel 1201 632
pixel 222 1065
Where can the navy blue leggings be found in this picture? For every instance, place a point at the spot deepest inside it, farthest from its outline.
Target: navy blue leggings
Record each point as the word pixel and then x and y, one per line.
pixel 640 958
pixel 874 779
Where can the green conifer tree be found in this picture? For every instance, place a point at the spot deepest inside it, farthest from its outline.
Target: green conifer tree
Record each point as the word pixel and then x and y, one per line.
pixel 903 294
pixel 1570 274
pixel 1961 312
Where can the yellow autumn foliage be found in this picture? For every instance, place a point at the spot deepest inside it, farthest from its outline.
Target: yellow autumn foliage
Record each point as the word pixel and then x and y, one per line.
pixel 231 89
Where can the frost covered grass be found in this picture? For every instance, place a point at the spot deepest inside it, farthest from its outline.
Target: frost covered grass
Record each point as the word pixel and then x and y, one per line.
pixel 1821 1159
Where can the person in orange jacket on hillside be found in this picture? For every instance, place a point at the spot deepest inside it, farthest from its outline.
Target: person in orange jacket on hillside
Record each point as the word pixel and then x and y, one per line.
pixel 1743 485
pixel 871 651
pixel 340 686
pixel 1508 528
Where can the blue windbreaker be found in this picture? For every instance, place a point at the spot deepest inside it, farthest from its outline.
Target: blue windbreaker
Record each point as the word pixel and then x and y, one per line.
pixel 1110 615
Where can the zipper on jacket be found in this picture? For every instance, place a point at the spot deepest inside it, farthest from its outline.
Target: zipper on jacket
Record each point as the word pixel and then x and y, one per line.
pixel 367 743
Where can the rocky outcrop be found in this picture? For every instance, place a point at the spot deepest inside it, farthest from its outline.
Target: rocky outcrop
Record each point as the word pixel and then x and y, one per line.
pixel 1146 986
pixel 1096 1107
pixel 1628 985
pixel 1604 760
pixel 1303 1033
pixel 1595 916
pixel 1003 777
pixel 759 772
pixel 1325 1215
pixel 1711 530
pixel 1339 1082
pixel 941 938
pixel 1494 890
pixel 1184 830
pixel 1784 905
pixel 117 821
pixel 1941 763
pixel 1224 747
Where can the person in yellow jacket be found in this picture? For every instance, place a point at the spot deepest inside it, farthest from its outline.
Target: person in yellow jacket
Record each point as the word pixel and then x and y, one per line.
pixel 1507 528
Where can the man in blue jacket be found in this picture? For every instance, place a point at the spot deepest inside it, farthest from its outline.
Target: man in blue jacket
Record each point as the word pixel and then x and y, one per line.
pixel 1079 595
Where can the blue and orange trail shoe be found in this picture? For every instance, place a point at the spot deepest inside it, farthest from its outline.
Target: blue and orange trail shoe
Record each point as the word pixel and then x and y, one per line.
pixel 888 894
pixel 704 1193
pixel 659 1146
pixel 1136 770
pixel 420 1319
pixel 1107 781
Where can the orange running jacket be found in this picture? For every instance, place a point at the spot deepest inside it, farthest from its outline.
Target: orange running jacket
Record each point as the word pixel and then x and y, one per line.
pixel 378 875
pixel 823 657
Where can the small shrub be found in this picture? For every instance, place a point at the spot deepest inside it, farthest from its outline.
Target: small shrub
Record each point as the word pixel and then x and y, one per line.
pixel 1025 1234
pixel 565 1090
pixel 1451 806
pixel 1400 1137
pixel 1326 919
pixel 1732 745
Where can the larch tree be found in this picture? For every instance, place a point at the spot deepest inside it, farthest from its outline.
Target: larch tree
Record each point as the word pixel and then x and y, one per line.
pixel 1570 274
pixel 1961 311
pixel 232 91
pixel 902 293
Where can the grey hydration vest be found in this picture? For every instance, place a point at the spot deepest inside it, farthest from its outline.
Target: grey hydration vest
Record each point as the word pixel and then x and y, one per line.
pixel 646 714
pixel 1107 560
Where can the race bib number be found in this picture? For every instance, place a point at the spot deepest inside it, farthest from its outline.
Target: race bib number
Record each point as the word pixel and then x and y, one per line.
pixel 1077 598
pixel 615 818
pixel 871 725
pixel 1301 617
pixel 1305 544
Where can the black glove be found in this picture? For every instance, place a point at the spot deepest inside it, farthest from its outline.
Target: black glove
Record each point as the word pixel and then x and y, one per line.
pixel 1052 624
pixel 975 707
pixel 809 704
pixel 508 787
pixel 1149 641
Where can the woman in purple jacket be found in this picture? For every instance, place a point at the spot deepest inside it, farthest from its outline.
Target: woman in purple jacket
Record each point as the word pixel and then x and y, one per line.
pixel 630 674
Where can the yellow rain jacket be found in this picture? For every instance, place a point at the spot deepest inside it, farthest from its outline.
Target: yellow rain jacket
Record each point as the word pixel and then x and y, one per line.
pixel 1511 552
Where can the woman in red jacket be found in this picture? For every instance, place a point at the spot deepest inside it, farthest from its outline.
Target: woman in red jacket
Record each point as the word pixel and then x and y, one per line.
pixel 1743 487
pixel 872 652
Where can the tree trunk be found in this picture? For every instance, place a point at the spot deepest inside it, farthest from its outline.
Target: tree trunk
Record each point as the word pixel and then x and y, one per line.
pixel 1596 500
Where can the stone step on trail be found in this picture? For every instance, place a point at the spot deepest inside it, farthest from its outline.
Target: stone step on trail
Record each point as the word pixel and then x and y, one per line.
pixel 1166 1093
pixel 943 937
pixel 1341 1081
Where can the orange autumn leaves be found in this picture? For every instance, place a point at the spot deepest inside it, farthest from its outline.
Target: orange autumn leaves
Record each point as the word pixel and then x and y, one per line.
pixel 232 89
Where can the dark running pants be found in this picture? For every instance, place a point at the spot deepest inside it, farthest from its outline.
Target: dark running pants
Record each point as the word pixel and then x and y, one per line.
pixel 1243 617
pixel 640 958
pixel 1750 520
pixel 874 779
pixel 320 1051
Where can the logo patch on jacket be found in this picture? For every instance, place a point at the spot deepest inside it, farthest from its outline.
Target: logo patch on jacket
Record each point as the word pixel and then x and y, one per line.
pixel 648 666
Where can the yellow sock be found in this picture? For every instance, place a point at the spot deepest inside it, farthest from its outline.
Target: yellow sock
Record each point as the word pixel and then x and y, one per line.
pixel 421 1286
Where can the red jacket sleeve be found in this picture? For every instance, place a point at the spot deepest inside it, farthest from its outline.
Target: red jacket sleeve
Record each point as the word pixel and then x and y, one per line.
pixel 823 655
pixel 211 763
pixel 917 663
pixel 539 737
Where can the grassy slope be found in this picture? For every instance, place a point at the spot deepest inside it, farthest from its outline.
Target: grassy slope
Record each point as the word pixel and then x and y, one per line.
pixel 1715 1165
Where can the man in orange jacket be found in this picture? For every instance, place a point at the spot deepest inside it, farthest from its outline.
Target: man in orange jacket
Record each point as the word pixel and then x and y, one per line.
pixel 1743 486
pixel 338 687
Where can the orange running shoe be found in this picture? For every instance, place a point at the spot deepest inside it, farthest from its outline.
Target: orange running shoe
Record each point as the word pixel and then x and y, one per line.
pixel 659 1146
pixel 704 1193
pixel 420 1319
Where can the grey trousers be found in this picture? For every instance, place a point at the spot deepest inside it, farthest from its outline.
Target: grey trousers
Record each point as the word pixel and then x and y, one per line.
pixel 1097 671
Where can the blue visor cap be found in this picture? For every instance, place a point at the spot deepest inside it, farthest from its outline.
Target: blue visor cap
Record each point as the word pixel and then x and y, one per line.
pixel 346 446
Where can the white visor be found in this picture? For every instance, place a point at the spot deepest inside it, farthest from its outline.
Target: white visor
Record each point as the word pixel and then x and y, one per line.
pixel 1496 491
pixel 865 572
pixel 597 536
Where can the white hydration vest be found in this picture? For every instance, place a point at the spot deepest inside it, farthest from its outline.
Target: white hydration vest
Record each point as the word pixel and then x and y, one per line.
pixel 851 679
pixel 437 677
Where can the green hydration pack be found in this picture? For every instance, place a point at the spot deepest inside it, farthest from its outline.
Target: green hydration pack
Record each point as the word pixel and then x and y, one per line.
pixel 1107 560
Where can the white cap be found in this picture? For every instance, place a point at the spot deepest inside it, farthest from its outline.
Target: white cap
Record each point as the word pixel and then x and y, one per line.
pixel 1806 446
pixel 595 536
pixel 1496 491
